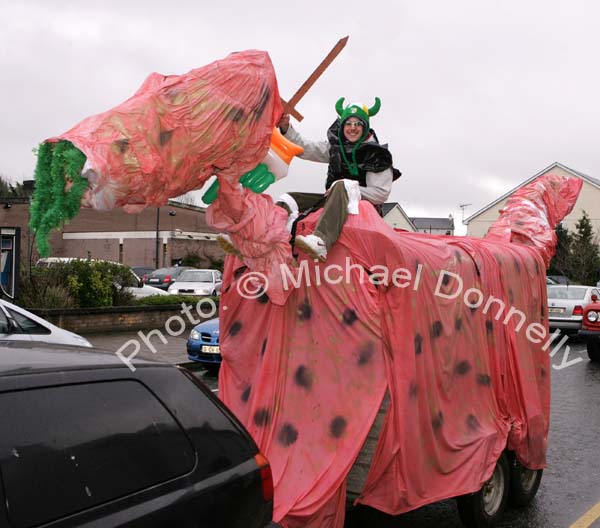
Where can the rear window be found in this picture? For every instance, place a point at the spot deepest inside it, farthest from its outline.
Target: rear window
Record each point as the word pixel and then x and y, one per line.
pixel 68 448
pixel 196 276
pixel 571 293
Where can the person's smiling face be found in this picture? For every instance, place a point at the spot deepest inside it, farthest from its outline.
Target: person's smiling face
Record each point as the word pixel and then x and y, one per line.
pixel 353 129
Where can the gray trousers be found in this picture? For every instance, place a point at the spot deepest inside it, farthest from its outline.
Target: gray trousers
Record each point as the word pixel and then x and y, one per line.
pixel 335 211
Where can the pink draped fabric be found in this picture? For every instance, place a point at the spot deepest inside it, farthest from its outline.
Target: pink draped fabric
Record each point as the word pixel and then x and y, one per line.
pixel 178 130
pixel 454 327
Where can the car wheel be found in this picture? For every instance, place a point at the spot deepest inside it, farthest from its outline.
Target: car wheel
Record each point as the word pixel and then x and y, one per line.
pixel 485 507
pixel 593 350
pixel 524 483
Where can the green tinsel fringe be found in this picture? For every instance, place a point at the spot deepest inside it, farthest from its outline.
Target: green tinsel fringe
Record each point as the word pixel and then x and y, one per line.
pixel 58 164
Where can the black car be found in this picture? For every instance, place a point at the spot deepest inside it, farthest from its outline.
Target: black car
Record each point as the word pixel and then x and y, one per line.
pixel 85 441
pixel 142 271
pixel 163 277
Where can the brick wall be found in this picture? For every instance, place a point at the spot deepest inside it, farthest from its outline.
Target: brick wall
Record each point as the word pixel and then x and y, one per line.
pixel 119 319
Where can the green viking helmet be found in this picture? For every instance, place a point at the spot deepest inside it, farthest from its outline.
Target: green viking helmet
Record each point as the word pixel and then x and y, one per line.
pixel 357 110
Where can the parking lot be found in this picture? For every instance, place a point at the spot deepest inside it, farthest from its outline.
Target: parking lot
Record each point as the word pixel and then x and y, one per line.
pixel 571 483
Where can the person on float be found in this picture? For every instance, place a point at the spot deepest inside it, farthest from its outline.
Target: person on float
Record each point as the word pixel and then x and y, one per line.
pixel 359 168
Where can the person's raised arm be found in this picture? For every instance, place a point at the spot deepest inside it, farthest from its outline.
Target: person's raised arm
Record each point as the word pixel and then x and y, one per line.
pixel 313 150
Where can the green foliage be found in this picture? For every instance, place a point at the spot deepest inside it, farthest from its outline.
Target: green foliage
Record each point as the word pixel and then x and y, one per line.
pixel 44 288
pixel 77 284
pixel 584 257
pixel 559 265
pixel 159 300
pixel 9 190
pixel 58 191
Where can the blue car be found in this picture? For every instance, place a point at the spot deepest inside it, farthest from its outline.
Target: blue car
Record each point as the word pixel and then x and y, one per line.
pixel 203 344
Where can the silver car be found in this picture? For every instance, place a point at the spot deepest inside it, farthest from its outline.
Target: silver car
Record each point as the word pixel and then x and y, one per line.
pixel 17 324
pixel 565 305
pixel 197 282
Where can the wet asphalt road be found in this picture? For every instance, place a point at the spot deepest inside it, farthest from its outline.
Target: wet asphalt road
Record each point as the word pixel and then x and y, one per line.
pixel 571 483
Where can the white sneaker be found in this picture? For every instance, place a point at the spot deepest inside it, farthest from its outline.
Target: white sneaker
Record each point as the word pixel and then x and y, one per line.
pixel 313 246
pixel 224 240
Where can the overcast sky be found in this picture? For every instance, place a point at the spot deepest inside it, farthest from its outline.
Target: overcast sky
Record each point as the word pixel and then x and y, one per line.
pixel 477 95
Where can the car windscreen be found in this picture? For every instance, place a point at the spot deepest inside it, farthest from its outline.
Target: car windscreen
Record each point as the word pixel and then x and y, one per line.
pixel 571 293
pixel 195 276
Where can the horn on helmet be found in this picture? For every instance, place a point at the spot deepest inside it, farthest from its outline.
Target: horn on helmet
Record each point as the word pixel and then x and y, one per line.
pixel 375 108
pixel 339 106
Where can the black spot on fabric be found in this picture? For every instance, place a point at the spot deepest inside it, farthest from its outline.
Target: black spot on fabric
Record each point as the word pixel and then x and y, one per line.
pixel 458 324
pixel 418 344
pixel 462 367
pixel 437 421
pixel 235 114
pixel 436 329
pixel 446 279
pixel 337 427
pixel 349 317
pixel 413 390
pixel 543 372
pixel 263 348
pixel 246 394
pixel 472 422
pixel 262 417
pixel 303 377
pixel 304 311
pixel 235 328
pixel 165 136
pixel 517 265
pixel 365 354
pixel 262 102
pixel 122 145
pixel 489 327
pixel 263 298
pixel 287 435
pixel 484 379
pixel 238 272
pixel 511 296
pixel 458 256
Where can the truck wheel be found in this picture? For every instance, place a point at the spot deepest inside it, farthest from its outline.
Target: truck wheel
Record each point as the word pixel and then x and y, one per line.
pixel 484 508
pixel 593 349
pixel 524 483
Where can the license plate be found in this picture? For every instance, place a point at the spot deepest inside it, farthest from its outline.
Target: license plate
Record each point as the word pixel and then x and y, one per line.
pixel 153 280
pixel 210 349
pixel 556 310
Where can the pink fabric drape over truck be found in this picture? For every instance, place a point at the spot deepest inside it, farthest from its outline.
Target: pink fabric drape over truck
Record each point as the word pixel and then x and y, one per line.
pixel 454 327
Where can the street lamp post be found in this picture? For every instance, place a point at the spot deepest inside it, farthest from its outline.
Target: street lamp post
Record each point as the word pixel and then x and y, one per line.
pixel 157 236
pixel 171 213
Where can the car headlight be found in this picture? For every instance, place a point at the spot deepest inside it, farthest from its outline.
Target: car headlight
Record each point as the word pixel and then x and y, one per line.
pixel 592 316
pixel 201 292
pixel 173 291
pixel 195 335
